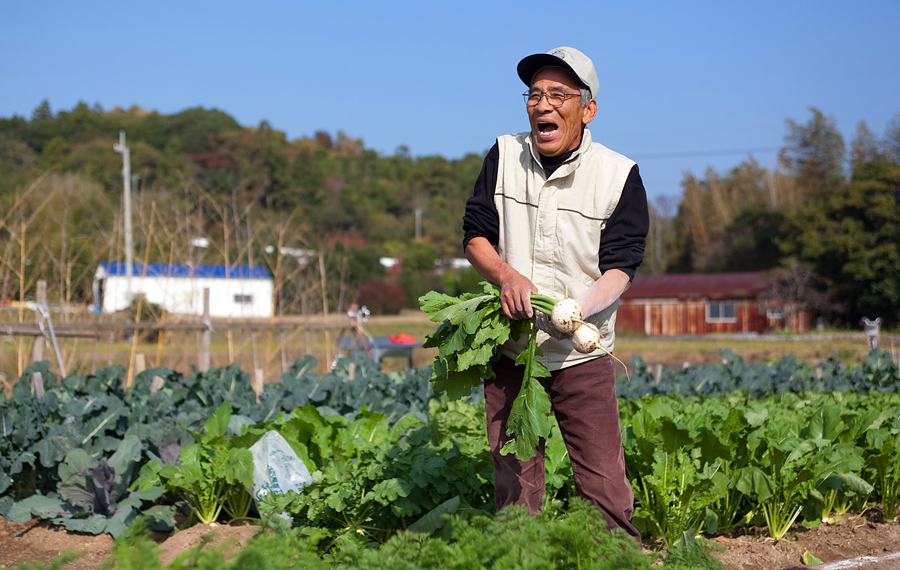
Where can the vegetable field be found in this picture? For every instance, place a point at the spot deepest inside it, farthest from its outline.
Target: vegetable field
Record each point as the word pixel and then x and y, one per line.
pixel 711 450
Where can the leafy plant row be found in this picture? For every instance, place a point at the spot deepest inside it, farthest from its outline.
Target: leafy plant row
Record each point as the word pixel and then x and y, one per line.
pixel 877 373
pixel 87 435
pixel 696 463
pixel 718 464
pixel 373 480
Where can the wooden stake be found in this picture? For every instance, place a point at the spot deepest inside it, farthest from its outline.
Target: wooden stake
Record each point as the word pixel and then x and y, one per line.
pixel 140 300
pixel 140 363
pixel 37 382
pixel 258 382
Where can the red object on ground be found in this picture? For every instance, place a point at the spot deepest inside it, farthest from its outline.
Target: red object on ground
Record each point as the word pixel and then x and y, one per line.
pixel 402 338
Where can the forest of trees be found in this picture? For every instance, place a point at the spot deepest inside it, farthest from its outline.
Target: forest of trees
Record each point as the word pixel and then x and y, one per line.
pixel 319 212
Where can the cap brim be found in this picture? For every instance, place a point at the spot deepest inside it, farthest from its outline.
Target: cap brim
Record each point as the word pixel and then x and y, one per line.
pixel 534 63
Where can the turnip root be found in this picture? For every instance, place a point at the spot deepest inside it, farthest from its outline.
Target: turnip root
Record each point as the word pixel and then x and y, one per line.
pixel 566 315
pixel 586 338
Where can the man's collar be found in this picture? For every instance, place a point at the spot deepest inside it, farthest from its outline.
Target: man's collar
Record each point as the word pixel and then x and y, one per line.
pixel 551 163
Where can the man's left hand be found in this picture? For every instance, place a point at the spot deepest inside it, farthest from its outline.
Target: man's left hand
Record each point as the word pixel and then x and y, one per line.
pixel 544 324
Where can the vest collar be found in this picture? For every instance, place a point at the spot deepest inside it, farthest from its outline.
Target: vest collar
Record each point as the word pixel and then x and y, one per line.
pixel 567 167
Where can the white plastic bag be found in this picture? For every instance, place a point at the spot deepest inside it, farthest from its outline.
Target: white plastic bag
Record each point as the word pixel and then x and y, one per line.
pixel 276 467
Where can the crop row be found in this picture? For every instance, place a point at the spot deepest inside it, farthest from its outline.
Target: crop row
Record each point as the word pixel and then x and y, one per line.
pixel 387 455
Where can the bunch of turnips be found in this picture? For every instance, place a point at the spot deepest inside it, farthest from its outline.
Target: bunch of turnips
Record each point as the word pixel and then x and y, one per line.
pixel 568 319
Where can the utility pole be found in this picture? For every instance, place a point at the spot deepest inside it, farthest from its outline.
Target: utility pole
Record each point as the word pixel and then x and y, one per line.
pixel 418 224
pixel 126 179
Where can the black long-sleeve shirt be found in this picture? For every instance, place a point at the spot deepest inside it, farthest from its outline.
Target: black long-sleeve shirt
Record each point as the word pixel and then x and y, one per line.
pixel 621 243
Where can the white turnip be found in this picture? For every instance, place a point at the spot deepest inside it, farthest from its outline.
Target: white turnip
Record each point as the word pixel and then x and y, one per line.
pixel 566 315
pixel 586 338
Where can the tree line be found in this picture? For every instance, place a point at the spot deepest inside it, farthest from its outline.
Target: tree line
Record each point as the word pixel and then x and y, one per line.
pixel 320 211
pixel 824 224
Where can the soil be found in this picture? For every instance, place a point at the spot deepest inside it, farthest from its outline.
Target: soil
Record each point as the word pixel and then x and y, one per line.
pixel 851 538
pixel 37 540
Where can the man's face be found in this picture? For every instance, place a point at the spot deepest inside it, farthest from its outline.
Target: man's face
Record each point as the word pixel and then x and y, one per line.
pixel 557 130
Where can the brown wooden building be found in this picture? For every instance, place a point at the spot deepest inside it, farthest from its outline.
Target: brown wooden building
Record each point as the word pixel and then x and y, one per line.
pixel 701 303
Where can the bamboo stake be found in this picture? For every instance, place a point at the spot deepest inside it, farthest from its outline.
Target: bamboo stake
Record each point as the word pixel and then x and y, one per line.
pixel 160 334
pixel 20 348
pixel 205 334
pixel 276 285
pixel 137 318
pixel 284 365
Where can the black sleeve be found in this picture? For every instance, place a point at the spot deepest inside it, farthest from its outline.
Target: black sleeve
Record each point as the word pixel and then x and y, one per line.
pixel 622 242
pixel 481 218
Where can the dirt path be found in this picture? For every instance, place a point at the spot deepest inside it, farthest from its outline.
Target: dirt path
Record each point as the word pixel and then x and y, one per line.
pixel 855 543
pixel 842 542
pixel 39 541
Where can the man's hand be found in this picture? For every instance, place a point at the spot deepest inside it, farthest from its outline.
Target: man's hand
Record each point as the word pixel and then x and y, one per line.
pixel 544 324
pixel 515 295
pixel 515 288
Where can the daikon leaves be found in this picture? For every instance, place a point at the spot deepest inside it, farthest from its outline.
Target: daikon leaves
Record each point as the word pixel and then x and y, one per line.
pixel 473 328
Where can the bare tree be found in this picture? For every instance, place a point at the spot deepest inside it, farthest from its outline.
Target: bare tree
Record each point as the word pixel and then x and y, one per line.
pixel 797 286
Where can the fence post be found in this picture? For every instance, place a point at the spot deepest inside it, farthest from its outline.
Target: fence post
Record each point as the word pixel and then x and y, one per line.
pixel 140 363
pixel 258 383
pixel 204 336
pixel 37 353
pixel 37 382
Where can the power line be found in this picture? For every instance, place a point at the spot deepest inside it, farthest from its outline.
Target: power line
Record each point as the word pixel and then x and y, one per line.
pixel 702 153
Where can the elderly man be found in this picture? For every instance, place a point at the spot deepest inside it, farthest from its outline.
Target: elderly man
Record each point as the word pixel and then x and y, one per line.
pixel 555 212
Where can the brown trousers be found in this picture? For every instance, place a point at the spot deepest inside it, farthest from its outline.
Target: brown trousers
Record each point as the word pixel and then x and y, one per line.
pixel 583 398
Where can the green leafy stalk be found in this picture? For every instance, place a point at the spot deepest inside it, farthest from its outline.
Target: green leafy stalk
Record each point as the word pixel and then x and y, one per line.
pixel 528 419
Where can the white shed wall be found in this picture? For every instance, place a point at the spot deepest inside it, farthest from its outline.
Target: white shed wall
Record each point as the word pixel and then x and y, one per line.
pixel 232 297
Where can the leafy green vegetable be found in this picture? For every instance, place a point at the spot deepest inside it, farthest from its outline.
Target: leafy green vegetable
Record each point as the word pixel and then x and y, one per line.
pixel 371 479
pixel 214 475
pixel 528 418
pixel 473 329
pixel 512 540
pixel 93 495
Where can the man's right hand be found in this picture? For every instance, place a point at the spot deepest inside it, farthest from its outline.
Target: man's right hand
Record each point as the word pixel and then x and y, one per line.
pixel 515 288
pixel 515 295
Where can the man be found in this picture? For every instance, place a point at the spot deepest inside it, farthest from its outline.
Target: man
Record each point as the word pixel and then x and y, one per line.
pixel 556 213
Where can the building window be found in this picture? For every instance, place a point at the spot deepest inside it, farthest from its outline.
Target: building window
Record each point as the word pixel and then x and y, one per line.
pixel 720 312
pixel 243 299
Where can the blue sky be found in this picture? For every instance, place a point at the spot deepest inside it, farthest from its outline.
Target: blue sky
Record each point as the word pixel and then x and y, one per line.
pixel 685 85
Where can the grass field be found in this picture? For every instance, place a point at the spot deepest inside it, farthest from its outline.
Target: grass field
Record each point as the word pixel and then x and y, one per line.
pixel 274 352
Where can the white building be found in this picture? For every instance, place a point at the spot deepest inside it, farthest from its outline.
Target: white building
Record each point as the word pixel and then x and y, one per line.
pixel 238 291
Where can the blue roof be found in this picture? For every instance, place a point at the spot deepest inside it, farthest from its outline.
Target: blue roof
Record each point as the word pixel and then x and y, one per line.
pixel 183 270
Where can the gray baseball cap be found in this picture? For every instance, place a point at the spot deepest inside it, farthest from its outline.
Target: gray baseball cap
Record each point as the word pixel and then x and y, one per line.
pixel 567 58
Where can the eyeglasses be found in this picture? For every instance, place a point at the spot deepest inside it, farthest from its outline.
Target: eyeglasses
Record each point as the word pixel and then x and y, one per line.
pixel 555 98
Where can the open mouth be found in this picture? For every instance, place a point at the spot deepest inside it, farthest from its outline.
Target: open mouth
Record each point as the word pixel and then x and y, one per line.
pixel 546 128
